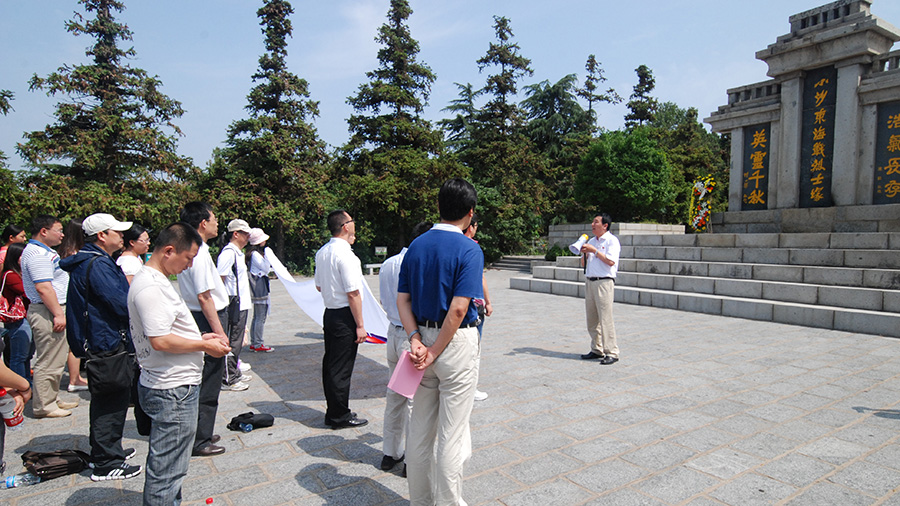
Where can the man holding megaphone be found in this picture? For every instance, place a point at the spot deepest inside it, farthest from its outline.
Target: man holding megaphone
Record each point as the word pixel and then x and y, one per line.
pixel 601 254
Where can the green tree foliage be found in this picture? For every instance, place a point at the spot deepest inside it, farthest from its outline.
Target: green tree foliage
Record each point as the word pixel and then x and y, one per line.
pixel 9 191
pixel 506 168
pixel 458 129
pixel 5 97
pixel 561 130
pixel 592 83
pixel 110 129
pixel 693 152
pixel 626 175
pixel 270 172
pixel 642 105
pixel 391 169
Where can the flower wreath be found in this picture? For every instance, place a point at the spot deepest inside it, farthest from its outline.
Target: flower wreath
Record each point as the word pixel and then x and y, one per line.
pixel 701 194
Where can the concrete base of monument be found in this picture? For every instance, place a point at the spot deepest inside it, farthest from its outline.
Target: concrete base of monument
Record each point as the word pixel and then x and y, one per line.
pixel 841 281
pixel 844 219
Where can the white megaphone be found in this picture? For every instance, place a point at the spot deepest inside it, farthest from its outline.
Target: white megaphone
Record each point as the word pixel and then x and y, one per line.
pixel 575 247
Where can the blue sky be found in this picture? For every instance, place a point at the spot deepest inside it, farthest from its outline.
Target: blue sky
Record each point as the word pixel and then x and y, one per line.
pixel 204 51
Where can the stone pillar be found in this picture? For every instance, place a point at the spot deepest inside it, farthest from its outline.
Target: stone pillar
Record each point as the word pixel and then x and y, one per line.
pixel 845 168
pixel 735 179
pixel 865 186
pixel 788 164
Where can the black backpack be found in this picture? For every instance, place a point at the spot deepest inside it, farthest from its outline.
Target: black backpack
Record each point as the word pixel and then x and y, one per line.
pixel 257 420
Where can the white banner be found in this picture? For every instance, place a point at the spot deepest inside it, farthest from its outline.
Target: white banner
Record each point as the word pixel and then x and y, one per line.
pixel 310 300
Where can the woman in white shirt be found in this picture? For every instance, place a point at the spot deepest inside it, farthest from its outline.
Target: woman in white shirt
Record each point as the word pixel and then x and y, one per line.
pixel 137 243
pixel 259 268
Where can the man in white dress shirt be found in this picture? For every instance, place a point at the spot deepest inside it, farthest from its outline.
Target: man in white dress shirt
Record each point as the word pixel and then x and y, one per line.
pixel 339 278
pixel 601 264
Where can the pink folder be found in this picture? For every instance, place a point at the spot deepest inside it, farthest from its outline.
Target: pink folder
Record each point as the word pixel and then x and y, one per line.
pixel 406 377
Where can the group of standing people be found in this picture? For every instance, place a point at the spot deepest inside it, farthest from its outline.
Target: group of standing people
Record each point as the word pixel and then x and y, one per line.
pixel 142 341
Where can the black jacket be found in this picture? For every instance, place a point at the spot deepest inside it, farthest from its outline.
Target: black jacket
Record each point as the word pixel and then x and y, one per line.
pixel 107 307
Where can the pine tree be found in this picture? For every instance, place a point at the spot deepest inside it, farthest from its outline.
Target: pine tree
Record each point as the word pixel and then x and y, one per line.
pixel 110 129
pixel 592 82
pixel 271 170
pixel 458 130
pixel 642 105
pixel 501 115
pixel 5 97
pixel 506 168
pixel 392 167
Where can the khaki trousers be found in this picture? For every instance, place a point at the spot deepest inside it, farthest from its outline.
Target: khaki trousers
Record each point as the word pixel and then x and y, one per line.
pixel 397 408
pixel 439 437
pixel 51 352
pixel 598 308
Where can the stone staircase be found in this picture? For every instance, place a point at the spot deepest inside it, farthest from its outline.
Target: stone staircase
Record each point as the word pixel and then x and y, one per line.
pixel 520 263
pixel 841 281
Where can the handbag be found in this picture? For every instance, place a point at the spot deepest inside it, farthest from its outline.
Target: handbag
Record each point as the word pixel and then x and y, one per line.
pixel 259 287
pixel 108 371
pixel 234 301
pixel 13 313
pixel 49 465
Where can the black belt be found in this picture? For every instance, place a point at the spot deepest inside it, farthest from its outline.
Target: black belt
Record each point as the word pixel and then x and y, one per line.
pixel 597 279
pixel 437 325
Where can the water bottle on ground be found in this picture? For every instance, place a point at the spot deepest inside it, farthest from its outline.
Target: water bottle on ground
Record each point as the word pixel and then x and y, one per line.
pixel 246 427
pixel 7 407
pixel 20 480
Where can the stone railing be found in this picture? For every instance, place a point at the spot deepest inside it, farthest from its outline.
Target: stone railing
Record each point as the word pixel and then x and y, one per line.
pixel 886 62
pixel 829 13
pixel 755 91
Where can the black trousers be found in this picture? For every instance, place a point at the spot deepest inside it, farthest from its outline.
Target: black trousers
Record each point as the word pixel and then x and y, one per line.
pixel 107 418
pixel 337 364
pixel 236 341
pixel 210 385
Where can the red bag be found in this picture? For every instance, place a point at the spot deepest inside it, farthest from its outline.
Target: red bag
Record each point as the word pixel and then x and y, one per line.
pixel 14 313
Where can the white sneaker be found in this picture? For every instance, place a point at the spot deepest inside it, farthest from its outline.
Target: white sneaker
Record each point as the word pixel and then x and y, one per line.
pixel 480 396
pixel 237 386
pixel 243 366
pixel 245 377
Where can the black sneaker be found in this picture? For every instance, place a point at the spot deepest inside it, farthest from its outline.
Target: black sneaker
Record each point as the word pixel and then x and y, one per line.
pixel 129 452
pixel 116 473
pixel 388 462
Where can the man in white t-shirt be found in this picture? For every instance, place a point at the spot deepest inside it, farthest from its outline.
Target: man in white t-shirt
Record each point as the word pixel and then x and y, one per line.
pixel 170 349
pixel 204 293
pixel 232 266
pixel 46 286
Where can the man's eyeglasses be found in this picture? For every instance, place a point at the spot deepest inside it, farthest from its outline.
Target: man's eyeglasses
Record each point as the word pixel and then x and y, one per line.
pixel 346 222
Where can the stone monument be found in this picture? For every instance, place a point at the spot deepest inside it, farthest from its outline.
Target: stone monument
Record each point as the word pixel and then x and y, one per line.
pixel 823 135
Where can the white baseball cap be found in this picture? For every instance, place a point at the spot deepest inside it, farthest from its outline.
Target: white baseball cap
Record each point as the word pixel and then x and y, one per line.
pixel 99 222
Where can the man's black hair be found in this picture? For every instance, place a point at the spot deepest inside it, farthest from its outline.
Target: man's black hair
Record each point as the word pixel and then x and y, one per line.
pixel 181 235
pixel 605 219
pixel 419 229
pixel 336 220
pixel 456 198
pixel 195 212
pixel 41 222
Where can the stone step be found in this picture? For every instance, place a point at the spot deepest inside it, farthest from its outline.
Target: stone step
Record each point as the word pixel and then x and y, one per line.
pixel 873 299
pixel 832 276
pixel 826 317
pixel 866 241
pixel 515 263
pixel 871 259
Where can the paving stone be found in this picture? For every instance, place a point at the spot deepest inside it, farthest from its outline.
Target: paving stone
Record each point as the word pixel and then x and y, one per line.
pixel 833 450
pixel 597 450
pixel 829 493
pixel 796 469
pixel 559 492
pixel 764 445
pixel 752 489
pixel 659 455
pixel 541 468
pixel 677 485
pixel 625 497
pixel 724 463
pixel 868 477
pixel 609 475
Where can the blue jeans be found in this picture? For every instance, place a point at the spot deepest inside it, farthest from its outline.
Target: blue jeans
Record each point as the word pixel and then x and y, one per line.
pixel 174 415
pixel 260 312
pixel 21 348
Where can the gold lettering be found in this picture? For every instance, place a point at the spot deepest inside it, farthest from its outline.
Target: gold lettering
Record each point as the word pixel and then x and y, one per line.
pixel 822 82
pixel 820 116
pixel 816 165
pixel 818 149
pixel 816 193
pixel 818 133
pixel 759 139
pixel 820 97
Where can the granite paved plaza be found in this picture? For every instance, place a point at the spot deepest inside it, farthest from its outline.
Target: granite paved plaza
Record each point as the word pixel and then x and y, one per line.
pixel 701 410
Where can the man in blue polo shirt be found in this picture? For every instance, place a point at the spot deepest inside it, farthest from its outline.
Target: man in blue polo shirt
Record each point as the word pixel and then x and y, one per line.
pixel 440 275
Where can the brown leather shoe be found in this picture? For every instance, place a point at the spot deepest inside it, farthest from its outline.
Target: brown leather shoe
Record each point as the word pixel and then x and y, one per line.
pixel 208 451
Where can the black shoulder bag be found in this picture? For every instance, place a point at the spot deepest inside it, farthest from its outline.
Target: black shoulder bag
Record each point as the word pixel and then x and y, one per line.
pixel 108 371
pixel 234 301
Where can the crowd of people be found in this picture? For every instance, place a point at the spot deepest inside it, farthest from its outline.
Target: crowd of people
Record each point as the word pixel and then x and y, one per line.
pixel 91 293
